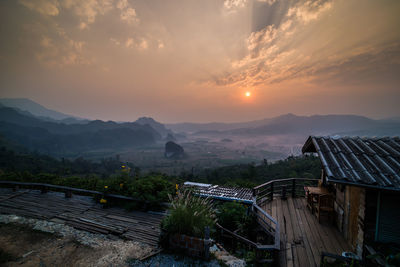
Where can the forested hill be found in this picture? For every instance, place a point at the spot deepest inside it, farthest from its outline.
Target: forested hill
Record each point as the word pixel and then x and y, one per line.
pixel 249 175
pixel 60 139
pixel 17 165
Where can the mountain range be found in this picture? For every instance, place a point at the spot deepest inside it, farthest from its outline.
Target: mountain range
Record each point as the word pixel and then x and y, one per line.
pixel 60 139
pixel 297 125
pixel 27 105
pixel 29 124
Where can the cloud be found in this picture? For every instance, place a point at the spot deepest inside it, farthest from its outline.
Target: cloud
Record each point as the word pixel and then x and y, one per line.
pixel 88 10
pixel 122 4
pixel 160 44
pixel 267 1
pixel 44 7
pixel 261 38
pixel 138 43
pixel 232 6
pixel 279 53
pixel 129 43
pixel 61 51
pixel 309 10
pixel 128 14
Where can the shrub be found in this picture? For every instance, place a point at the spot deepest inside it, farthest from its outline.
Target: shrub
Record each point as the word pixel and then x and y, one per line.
pixel 231 215
pixel 235 216
pixel 189 215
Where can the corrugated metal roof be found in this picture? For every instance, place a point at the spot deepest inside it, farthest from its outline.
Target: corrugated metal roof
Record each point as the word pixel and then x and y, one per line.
pixel 364 161
pixel 222 192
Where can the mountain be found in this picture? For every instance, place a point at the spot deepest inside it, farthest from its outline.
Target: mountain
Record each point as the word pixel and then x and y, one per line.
pixel 160 128
pixel 61 139
pixel 322 125
pixel 38 110
pixel 298 125
pixel 317 124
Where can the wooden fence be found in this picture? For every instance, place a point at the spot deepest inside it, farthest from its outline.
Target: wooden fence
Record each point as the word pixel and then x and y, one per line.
pixel 69 191
pixel 265 193
pixel 283 187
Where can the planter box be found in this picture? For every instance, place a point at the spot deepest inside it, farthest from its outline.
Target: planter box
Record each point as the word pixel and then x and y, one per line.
pixel 192 246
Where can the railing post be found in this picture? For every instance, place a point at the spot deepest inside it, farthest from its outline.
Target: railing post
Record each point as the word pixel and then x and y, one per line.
pixel 272 191
pixel 254 196
pixel 207 242
pixel 68 194
pixel 293 188
pixel 43 190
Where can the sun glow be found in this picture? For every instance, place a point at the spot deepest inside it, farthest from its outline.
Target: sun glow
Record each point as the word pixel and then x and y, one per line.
pixel 247 94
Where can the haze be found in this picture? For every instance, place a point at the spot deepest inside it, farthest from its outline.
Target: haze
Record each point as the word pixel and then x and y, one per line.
pixel 195 60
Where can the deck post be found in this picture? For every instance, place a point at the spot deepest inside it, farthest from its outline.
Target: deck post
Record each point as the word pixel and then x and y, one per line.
pixel 207 242
pixel 43 190
pixel 272 191
pixel 254 199
pixel 293 188
pixel 68 194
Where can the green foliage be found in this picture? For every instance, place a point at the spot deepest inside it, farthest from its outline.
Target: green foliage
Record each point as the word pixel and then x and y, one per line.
pixel 34 163
pixel 152 189
pixel 236 217
pixel 231 215
pixel 189 215
pixel 249 175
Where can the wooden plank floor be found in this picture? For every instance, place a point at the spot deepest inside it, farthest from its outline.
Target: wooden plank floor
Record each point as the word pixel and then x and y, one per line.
pixel 83 213
pixel 302 237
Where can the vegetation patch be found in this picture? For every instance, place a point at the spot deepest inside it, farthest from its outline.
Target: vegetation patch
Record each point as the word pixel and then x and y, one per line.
pixel 189 215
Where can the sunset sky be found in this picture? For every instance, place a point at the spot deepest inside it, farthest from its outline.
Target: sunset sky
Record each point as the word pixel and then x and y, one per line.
pixel 196 60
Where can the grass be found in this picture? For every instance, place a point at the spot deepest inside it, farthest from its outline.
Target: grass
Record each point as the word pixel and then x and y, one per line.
pixel 189 215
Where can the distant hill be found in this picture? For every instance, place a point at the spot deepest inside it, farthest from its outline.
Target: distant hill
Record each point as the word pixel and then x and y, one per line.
pixel 61 139
pixel 297 125
pixel 317 125
pixel 159 127
pixel 36 109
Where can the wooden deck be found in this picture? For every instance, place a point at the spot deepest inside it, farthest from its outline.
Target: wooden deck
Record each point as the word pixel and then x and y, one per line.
pixel 302 237
pixel 81 212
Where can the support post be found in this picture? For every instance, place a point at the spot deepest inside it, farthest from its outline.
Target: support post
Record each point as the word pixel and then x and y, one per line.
pixel 283 194
pixel 272 191
pixel 43 190
pixel 207 242
pixel 254 197
pixel 293 188
pixel 378 210
pixel 68 194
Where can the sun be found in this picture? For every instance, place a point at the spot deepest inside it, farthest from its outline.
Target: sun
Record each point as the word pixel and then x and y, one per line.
pixel 247 94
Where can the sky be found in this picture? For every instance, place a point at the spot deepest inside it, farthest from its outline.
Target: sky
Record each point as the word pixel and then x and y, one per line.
pixel 202 61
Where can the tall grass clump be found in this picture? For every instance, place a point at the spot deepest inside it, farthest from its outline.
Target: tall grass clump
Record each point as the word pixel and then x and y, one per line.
pixel 189 215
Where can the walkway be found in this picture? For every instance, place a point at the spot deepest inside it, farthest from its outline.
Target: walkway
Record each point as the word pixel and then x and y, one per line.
pixel 302 237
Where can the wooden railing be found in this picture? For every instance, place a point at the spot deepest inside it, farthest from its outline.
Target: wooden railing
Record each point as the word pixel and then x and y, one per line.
pixel 265 193
pixel 67 190
pixel 270 225
pixel 282 187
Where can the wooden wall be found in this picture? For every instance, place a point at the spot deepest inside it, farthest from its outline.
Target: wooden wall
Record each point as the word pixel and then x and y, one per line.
pixel 350 214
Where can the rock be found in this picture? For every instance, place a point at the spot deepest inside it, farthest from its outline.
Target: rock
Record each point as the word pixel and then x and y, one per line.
pixel 173 150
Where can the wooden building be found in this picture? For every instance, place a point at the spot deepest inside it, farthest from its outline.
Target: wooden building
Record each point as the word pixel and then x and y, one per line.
pixel 363 174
